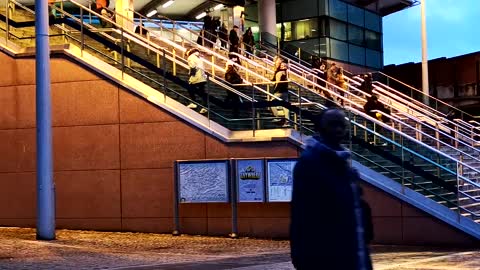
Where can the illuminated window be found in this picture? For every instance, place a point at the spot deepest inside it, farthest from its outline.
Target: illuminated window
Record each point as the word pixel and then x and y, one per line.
pixel 305 29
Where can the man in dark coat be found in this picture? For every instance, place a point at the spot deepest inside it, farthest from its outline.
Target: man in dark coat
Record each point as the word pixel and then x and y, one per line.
pixel 234 40
pixel 330 223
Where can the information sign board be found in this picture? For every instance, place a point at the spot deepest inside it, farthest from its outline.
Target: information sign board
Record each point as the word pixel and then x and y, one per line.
pixel 250 180
pixel 203 182
pixel 280 179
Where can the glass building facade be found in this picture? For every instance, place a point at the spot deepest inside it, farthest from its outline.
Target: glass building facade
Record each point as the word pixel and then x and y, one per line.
pixel 331 29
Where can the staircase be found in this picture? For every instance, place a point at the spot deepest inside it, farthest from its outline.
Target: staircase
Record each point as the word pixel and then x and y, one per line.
pixel 398 150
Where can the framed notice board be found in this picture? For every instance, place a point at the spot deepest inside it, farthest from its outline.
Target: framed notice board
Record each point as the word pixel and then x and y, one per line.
pixel 203 181
pixel 250 174
pixel 280 179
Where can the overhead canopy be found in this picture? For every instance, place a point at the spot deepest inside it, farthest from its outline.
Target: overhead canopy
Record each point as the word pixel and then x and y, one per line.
pixel 182 9
pixel 189 9
pixel 384 7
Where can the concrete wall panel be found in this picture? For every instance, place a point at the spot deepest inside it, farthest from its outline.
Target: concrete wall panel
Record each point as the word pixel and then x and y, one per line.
pixel 88 194
pixel 8 103
pixel 157 145
pixel 7 69
pixel 147 193
pixel 17 196
pixel 84 103
pixel 86 147
pixel 134 109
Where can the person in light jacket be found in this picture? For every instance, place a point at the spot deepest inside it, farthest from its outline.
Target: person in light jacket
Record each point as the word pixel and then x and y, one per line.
pixel 197 79
pixel 281 91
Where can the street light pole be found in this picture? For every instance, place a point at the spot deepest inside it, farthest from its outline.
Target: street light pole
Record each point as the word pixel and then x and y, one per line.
pixel 425 87
pixel 45 186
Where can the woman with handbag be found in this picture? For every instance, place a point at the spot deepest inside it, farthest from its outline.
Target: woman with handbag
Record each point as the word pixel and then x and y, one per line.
pixel 197 79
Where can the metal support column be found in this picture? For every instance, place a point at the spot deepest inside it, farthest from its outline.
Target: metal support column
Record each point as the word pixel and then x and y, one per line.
pixel 425 86
pixel 45 185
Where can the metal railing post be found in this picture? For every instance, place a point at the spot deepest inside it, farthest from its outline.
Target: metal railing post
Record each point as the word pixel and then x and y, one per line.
pixel 63 25
pixel 90 13
pixel 365 133
pixel 82 35
pixel 208 100
pixel 213 65
pixel 122 53
pixel 173 32
pixel 300 110
pixel 129 61
pixel 165 82
pixel 7 23
pixel 456 136
pixel 403 165
pixel 459 168
pixel 174 64
pixel 253 110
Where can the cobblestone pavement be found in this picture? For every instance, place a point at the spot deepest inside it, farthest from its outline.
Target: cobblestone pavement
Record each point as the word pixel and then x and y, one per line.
pixel 138 251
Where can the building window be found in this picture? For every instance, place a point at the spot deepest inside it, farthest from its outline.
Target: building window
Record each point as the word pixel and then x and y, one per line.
pixel 288 31
pixel 305 29
pixel 356 55
pixel 338 9
pixel 338 30
pixel 373 40
pixel 355 35
pixel 338 50
pixel 373 21
pixel 374 59
pixel 356 15
pixel 322 7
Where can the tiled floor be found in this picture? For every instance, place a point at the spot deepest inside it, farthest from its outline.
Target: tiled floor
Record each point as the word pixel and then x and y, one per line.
pixel 100 250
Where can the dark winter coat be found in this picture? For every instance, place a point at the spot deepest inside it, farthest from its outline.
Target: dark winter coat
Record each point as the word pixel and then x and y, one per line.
pixel 323 220
pixel 281 81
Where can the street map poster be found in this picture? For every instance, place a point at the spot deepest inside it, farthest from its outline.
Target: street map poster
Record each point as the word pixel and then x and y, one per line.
pixel 250 180
pixel 203 182
pixel 280 179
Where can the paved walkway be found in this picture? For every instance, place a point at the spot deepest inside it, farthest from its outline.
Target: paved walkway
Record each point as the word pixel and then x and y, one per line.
pixel 137 251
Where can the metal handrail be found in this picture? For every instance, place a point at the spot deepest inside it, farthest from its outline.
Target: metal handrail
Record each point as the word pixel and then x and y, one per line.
pixel 182 64
pixel 425 113
pixel 314 75
pixel 387 127
pixel 460 124
pixel 154 47
pixel 431 137
pixel 246 59
pixel 429 96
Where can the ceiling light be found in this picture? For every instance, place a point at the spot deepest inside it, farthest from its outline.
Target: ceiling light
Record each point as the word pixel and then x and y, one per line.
pixel 201 15
pixel 151 13
pixel 217 7
pixel 168 3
